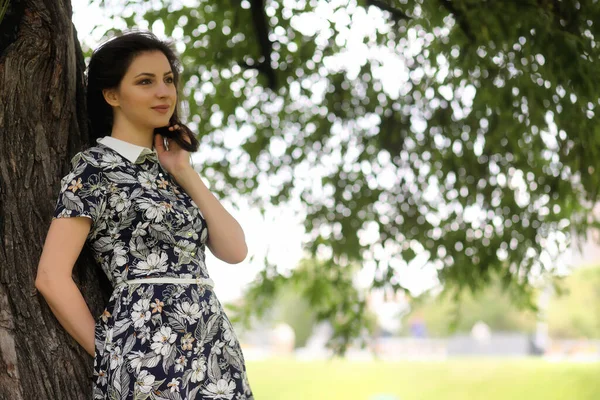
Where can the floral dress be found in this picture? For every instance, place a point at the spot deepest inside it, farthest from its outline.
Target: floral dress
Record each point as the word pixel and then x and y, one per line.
pixel 166 340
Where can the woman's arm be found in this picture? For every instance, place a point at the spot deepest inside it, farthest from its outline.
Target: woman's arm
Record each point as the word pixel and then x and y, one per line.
pixel 70 309
pixel 65 239
pixel 226 238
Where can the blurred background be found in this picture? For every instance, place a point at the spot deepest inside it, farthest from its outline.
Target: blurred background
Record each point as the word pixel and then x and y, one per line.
pixel 418 183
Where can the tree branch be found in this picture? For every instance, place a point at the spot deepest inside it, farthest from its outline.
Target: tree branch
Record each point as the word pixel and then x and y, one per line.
pixel 261 25
pixel 397 14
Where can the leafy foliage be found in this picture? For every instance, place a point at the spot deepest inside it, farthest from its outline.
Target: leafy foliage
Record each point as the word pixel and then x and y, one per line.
pixel 328 292
pixel 463 130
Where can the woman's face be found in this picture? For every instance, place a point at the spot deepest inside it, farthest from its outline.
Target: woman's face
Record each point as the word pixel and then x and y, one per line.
pixel 149 82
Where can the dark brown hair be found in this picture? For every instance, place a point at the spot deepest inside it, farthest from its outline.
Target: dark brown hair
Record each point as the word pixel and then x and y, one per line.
pixel 107 67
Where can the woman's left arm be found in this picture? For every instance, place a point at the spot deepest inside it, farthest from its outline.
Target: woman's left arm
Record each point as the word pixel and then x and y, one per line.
pixel 226 239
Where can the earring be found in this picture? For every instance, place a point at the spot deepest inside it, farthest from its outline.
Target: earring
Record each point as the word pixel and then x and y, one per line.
pixel 166 143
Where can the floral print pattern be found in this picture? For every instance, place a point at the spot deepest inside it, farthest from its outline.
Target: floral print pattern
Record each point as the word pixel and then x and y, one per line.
pixel 153 340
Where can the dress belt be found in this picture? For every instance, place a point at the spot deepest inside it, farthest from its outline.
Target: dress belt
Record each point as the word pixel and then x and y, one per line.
pixel 167 279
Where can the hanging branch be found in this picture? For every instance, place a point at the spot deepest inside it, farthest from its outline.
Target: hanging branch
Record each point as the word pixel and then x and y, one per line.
pixel 261 26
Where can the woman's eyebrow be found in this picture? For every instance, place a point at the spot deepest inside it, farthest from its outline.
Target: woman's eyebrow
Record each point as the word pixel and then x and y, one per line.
pixel 151 74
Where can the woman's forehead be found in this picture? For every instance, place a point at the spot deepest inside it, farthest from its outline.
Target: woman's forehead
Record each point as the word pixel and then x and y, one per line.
pixel 155 63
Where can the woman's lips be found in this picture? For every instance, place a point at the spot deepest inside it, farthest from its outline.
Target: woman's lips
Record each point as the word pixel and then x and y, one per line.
pixel 161 110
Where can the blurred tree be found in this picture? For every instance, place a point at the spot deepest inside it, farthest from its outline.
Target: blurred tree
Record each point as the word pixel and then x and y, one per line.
pixel 444 316
pixel 573 311
pixel 463 130
pixel 576 313
pixel 295 311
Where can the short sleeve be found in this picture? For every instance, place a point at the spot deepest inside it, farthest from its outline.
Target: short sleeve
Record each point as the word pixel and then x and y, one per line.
pixel 81 192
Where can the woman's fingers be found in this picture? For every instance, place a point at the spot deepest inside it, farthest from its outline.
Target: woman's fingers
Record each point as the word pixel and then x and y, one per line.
pixel 158 141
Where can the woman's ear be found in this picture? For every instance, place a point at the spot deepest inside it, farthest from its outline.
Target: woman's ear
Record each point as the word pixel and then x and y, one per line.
pixel 111 97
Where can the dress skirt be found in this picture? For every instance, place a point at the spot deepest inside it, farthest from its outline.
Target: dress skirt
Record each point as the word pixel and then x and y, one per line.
pixel 170 339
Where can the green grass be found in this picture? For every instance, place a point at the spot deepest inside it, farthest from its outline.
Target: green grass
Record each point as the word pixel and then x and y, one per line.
pixel 455 379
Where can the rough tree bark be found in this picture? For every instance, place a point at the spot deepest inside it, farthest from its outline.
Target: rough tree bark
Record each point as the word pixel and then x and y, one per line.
pixel 42 125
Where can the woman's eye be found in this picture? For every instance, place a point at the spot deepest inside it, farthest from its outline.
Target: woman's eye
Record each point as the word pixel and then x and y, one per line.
pixel 170 80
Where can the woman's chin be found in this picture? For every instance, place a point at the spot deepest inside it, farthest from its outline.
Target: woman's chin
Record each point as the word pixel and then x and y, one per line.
pixel 160 122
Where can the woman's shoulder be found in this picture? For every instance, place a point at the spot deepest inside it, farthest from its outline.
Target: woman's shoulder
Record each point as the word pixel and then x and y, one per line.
pixel 91 156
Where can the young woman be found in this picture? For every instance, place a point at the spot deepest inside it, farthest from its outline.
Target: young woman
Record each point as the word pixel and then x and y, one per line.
pixel 148 217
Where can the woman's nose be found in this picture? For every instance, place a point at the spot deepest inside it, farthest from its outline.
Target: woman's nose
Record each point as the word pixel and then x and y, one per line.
pixel 163 90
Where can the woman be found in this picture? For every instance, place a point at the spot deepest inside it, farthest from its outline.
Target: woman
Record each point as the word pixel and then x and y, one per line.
pixel 147 216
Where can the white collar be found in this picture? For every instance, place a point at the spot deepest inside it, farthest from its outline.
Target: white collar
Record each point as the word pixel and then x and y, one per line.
pixel 128 150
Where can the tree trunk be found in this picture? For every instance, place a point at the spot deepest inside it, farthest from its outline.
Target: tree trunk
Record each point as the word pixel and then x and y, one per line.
pixel 42 125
